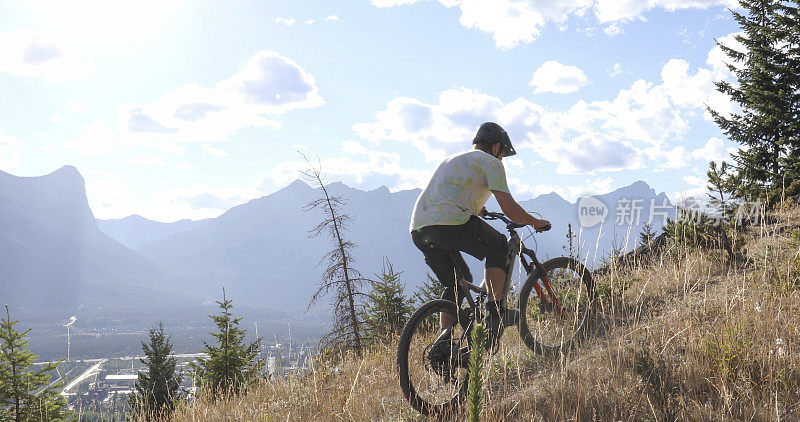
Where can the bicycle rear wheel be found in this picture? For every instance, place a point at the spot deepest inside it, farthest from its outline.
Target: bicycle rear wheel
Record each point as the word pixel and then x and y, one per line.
pixel 432 386
pixel 541 327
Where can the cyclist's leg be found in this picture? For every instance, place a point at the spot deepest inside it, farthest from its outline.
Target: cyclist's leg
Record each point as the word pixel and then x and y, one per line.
pixel 493 246
pixel 439 260
pixel 475 237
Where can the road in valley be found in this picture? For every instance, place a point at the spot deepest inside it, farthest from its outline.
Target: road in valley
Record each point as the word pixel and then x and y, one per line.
pixel 93 370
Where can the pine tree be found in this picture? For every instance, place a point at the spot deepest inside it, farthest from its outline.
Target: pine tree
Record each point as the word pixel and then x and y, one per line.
pixel 570 247
pixel 387 306
pixel 26 395
pixel 646 235
pixel 231 365
pixel 429 290
pixel 768 92
pixel 720 184
pixel 157 389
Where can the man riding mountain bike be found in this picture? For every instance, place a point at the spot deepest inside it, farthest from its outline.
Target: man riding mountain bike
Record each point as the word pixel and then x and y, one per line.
pixel 446 215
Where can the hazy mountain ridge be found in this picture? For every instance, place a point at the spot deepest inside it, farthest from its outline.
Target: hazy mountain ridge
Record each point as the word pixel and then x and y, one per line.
pixel 135 231
pixel 260 251
pixel 52 253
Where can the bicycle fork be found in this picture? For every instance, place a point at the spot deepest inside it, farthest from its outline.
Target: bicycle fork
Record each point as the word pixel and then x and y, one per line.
pixel 542 285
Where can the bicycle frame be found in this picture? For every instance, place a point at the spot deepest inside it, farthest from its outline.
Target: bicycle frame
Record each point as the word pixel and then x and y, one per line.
pixel 517 248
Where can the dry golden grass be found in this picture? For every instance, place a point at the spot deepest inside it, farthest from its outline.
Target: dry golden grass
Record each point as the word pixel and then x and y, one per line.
pixel 685 336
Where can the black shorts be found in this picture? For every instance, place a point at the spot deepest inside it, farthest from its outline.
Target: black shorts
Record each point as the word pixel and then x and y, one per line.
pixel 474 237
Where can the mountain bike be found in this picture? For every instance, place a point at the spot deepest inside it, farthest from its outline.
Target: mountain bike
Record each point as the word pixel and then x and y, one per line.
pixel 552 309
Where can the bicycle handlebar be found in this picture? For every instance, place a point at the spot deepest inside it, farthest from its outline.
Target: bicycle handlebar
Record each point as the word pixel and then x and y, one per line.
pixel 489 215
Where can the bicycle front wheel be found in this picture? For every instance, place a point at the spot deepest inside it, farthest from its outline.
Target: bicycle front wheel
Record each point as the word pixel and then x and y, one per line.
pixel 543 329
pixel 433 384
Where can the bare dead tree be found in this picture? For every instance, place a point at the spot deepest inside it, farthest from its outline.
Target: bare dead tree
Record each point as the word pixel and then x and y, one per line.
pixel 339 279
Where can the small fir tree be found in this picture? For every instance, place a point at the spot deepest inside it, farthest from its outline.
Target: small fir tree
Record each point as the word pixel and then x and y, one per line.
pixel 646 235
pixel 231 365
pixel 26 395
pixel 569 248
pixel 720 185
pixel 429 290
pixel 387 308
pixel 156 389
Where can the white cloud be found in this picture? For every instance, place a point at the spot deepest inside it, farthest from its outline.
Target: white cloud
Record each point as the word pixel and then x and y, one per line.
pixel 714 150
pixel 285 21
pixel 591 152
pixel 147 160
pixel 676 158
pixel 557 78
pixel 353 147
pixel 514 162
pixel 101 21
pixel 96 138
pixel 616 70
pixel 447 127
pixel 309 21
pixel 268 86
pixel 639 126
pixel 10 152
pixel 30 54
pixel 434 129
pixel 615 10
pixel 391 3
pixel 613 29
pixel 515 22
pixel 216 152
pixel 74 105
pixel 695 188
pixel 333 18
pixel 384 168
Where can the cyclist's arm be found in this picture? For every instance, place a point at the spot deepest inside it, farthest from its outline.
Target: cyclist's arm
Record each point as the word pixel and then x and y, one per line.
pixel 514 211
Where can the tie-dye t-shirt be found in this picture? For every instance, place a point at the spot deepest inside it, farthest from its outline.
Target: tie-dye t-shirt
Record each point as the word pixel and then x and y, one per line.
pixel 459 188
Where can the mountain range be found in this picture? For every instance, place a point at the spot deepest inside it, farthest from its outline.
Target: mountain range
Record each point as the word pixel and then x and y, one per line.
pixel 54 253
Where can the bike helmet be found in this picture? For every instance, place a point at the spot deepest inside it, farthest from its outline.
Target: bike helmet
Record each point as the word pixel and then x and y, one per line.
pixel 491 133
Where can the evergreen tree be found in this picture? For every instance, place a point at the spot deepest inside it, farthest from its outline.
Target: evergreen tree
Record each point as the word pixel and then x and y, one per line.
pixel 26 395
pixel 570 247
pixel 429 290
pixel 768 92
pixel 788 31
pixel 157 389
pixel 720 183
pixel 231 365
pixel 387 308
pixel 646 235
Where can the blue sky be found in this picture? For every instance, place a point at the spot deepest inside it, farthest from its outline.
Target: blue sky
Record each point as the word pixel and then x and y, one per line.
pixel 183 109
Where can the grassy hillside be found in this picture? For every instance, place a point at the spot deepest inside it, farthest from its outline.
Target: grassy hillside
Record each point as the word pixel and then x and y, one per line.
pixel 684 335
